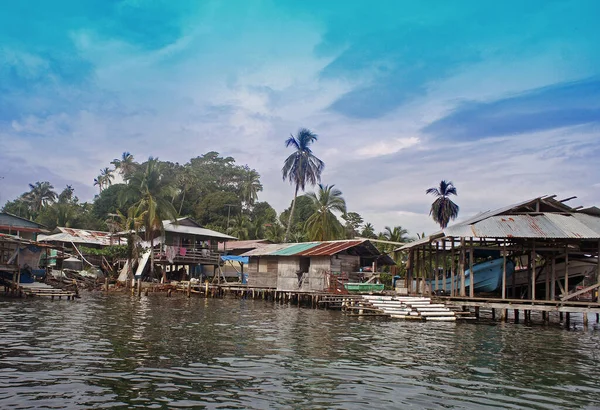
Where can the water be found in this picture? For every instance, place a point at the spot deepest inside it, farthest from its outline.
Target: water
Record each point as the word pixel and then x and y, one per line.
pixel 158 352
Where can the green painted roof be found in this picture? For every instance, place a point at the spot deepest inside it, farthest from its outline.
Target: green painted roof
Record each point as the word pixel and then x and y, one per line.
pixel 295 248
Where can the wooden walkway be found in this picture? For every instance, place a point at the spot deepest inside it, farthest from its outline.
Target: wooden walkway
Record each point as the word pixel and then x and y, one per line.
pixel 37 289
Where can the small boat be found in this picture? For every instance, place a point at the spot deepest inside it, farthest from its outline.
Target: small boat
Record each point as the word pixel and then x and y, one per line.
pixel 488 277
pixel 364 287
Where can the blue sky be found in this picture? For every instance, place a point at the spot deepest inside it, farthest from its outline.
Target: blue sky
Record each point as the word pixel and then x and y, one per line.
pixel 502 98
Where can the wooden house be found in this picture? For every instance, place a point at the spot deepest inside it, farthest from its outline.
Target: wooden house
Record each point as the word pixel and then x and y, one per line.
pixel 24 228
pixel 311 266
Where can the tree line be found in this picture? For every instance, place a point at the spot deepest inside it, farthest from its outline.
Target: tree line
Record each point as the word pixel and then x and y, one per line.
pixel 219 194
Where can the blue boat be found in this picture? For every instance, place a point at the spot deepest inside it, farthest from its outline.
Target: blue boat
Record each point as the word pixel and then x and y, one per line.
pixel 488 277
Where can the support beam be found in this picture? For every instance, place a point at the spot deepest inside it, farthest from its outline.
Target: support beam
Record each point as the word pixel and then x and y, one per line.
pixel 445 264
pixel 437 264
pixel 504 272
pixel 553 279
pixel 452 263
pixel 566 272
pixel 463 257
pixel 471 273
pixel 533 269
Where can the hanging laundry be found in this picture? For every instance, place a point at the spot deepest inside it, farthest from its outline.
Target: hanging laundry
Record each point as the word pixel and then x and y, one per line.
pixel 171 252
pixel 182 251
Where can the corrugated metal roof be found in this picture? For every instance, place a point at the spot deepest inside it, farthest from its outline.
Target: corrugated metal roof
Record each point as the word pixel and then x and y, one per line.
pixel 193 230
pixel 309 248
pixel 295 249
pixel 330 248
pixel 79 236
pixel 240 245
pixel 544 225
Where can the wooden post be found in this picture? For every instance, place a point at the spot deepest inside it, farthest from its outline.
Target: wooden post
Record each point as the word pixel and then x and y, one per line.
pixel 553 285
pixel 430 248
pixel 437 263
pixel 598 278
pixel 189 288
pixel 547 276
pixel 516 315
pixel 445 264
pixel 106 283
pixel 452 263
pixel 409 269
pixel 462 262
pixel 566 271
pixel 471 273
pixel 533 272
pixel 504 270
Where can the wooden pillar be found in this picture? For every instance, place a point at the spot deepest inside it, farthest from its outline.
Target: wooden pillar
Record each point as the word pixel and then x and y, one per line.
pixel 598 278
pixel 566 271
pixel 533 267
pixel 504 271
pixel 445 264
pixel 409 269
pixel 436 272
pixel 493 314
pixel 462 262
pixel 471 273
pixel 430 270
pixel 452 264
pixel 516 315
pixel 547 277
pixel 585 320
pixel 553 278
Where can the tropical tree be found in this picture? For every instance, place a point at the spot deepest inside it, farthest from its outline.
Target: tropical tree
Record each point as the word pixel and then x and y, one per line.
pixel 99 182
pixel 251 186
pixel 241 227
pixel 301 167
pixel 131 223
pixel 151 188
pixel 368 231
pixel 396 234
pixel 323 225
pixel 443 209
pixel 275 232
pixel 353 223
pixel 40 195
pixel 107 176
pixel 126 165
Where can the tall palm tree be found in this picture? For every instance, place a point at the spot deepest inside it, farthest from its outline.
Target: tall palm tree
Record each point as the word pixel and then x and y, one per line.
pixel 396 234
pixel 323 225
pixel 126 165
pixel 40 195
pixel 131 223
pixel 274 232
pixel 251 186
pixel 99 182
pixel 368 231
pixel 151 188
pixel 107 176
pixel 443 209
pixel 241 227
pixel 301 167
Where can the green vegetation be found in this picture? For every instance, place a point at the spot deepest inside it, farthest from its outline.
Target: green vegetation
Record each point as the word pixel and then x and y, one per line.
pixel 211 189
pixel 443 209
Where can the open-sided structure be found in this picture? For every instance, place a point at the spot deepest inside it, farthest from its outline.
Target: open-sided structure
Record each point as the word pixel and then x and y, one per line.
pixel 540 249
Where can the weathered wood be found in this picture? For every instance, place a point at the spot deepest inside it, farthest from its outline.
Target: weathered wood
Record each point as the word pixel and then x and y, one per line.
pixel 566 272
pixel 452 263
pixel 462 263
pixel 445 264
pixel 533 269
pixel 580 292
pixel 437 264
pixel 471 273
pixel 553 279
pixel 504 272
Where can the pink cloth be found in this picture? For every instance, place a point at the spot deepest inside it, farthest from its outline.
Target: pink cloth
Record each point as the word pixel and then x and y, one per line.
pixel 182 251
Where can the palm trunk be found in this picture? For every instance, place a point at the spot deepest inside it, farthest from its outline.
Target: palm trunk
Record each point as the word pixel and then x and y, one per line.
pixel 287 231
pixel 151 255
pixel 181 205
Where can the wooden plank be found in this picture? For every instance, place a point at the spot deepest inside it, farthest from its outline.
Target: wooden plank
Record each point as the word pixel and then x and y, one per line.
pixel 580 292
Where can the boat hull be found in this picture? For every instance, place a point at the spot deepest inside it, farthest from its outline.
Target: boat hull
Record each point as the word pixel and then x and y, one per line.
pixel 488 277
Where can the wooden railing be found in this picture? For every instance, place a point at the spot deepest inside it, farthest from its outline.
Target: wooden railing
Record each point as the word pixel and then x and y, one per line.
pixel 189 254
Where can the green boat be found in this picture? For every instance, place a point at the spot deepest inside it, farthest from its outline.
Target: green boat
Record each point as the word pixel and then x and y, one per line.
pixel 364 287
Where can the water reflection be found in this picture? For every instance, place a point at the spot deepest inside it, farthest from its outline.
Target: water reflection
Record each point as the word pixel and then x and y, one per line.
pixel 117 350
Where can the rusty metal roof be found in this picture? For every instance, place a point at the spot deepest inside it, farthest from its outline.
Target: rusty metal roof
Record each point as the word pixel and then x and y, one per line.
pixel 543 225
pixel 240 245
pixel 84 236
pixel 325 248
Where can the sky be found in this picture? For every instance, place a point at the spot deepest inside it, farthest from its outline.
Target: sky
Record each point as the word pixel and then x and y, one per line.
pixel 501 98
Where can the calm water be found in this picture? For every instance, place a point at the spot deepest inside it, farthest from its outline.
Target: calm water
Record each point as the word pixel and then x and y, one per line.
pixel 159 352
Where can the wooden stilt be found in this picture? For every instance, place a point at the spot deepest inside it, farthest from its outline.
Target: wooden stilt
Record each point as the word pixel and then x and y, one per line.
pixel 471 273
pixel 462 262
pixel 504 271
pixel 516 315
pixel 452 263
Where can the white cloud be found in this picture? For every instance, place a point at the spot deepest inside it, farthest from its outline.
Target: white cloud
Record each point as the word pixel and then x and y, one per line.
pixel 379 148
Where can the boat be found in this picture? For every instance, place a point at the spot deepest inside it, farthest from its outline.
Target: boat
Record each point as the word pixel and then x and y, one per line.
pixel 488 277
pixel 364 287
pixel 579 268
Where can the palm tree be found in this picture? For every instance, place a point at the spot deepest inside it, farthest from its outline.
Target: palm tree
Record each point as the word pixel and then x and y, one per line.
pixel 107 176
pixel 443 209
pixel 131 223
pixel 301 167
pixel 126 165
pixel 275 232
pixel 40 195
pixel 251 186
pixel 396 234
pixel 323 225
pixel 151 188
pixel 368 231
pixel 240 228
pixel 99 181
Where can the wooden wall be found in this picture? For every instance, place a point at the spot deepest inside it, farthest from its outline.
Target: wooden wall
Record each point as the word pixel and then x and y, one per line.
pixel 262 272
pixel 345 263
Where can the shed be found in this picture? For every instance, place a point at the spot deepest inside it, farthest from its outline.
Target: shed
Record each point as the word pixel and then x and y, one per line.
pixel 309 266
pixel 24 228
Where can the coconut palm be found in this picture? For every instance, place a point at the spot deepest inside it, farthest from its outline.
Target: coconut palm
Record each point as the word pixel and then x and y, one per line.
pixel 40 195
pixel 275 232
pixel 368 231
pixel 126 165
pixel 151 187
pixel 301 167
pixel 323 225
pixel 443 209
pixel 99 182
pixel 251 186
pixel 131 223
pixel 395 234
pixel 107 176
pixel 241 227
